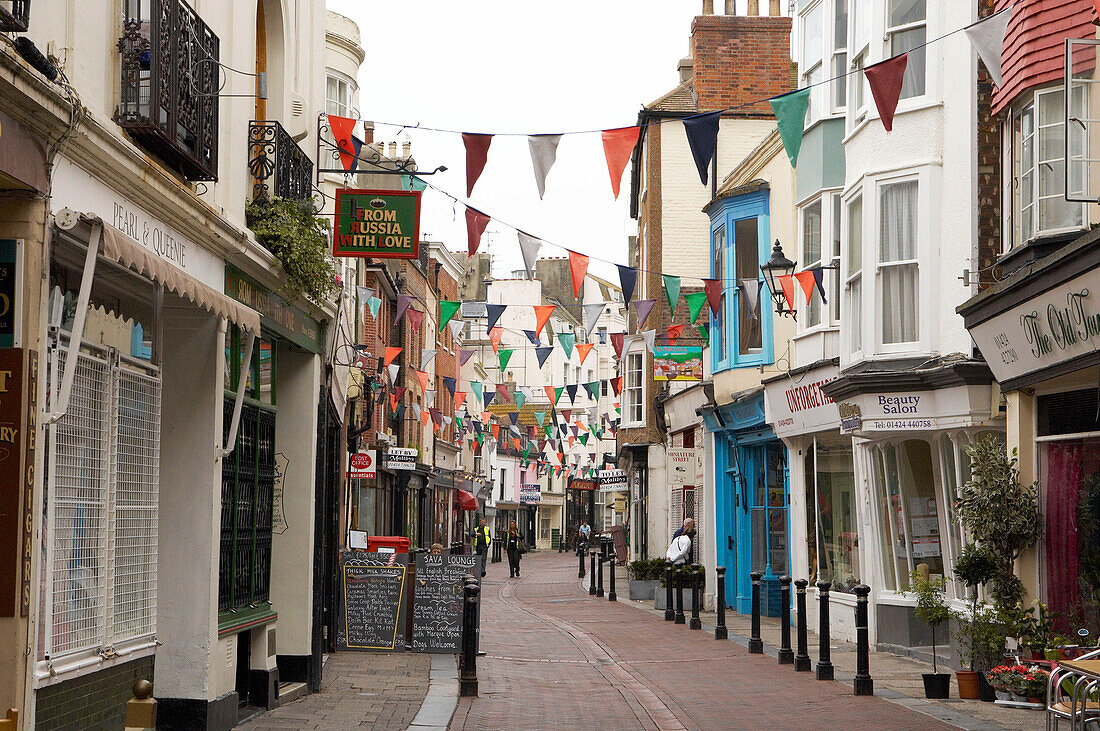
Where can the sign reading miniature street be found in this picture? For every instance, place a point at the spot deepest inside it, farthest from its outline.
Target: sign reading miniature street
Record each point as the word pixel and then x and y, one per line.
pixel 372 610
pixel 384 224
pixel 437 601
pixel 401 458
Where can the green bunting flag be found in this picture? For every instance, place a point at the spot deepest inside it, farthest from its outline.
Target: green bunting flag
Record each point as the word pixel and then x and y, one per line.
pixel 521 398
pixel 672 291
pixel 541 417
pixel 447 310
pixel 557 394
pixel 584 439
pixel 790 117
pixel 567 340
pixel 476 386
pixel 504 356
pixel 704 333
pixel 695 301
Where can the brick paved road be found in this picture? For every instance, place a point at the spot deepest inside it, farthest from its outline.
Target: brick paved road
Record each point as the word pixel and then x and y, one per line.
pixel 557 658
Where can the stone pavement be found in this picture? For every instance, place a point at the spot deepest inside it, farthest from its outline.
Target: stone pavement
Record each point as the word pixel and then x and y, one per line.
pixel 557 658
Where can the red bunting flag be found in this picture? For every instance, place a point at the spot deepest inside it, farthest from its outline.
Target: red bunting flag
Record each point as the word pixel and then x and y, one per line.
pixel 578 267
pixel 494 338
pixel 617 384
pixel 542 314
pixel 391 353
pixel 424 416
pixel 423 378
pixel 806 279
pixel 415 318
pixel 477 150
pixel 460 396
pixel 617 343
pixel 584 349
pixel 393 401
pixel 485 416
pixel 496 432
pixel 786 283
pixel 342 128
pixel 713 288
pixel 476 222
pixel 549 392
pixel 885 79
pixel 674 332
pixel 618 144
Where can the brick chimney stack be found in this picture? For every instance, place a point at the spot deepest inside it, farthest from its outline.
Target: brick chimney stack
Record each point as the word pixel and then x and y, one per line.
pixel 740 58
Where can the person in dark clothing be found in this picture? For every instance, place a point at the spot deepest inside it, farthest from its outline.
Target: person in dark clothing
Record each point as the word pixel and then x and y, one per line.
pixel 513 544
pixel 482 541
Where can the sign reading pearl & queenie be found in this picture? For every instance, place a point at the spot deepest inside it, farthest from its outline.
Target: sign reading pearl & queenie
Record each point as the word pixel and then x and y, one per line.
pixel 383 224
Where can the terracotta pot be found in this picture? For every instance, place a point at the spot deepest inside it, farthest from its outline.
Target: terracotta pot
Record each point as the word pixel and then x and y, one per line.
pixel 968 684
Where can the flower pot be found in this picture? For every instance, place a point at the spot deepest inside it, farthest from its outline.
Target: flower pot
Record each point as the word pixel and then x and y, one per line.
pixel 968 684
pixel 937 685
pixel 986 692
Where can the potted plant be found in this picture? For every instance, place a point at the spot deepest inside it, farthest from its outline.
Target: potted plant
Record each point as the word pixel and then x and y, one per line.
pixel 644 578
pixel 932 610
pixel 974 567
pixel 981 637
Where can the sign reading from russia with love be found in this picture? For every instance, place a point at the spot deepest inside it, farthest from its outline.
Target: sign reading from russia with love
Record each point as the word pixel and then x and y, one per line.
pixel 383 224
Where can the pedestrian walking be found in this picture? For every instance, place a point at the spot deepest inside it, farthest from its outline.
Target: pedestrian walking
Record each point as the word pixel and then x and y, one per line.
pixel 482 541
pixel 513 544
pixel 679 550
pixel 689 528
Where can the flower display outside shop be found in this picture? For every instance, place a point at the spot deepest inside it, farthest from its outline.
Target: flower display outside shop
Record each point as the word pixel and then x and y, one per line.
pixel 1020 680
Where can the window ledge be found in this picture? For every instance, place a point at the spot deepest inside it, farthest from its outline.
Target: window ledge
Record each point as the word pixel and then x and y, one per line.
pixel 918 105
pixel 245 618
pixel 88 661
pixel 817 330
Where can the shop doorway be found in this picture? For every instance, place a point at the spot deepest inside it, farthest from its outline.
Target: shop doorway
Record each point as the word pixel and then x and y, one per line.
pixel 1073 477
pixel 762 530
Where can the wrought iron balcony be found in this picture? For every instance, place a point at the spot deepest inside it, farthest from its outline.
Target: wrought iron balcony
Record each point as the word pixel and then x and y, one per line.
pixel 279 167
pixel 15 15
pixel 170 83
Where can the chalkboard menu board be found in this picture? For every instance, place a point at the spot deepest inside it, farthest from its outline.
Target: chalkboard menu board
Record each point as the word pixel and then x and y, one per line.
pixel 372 592
pixel 437 602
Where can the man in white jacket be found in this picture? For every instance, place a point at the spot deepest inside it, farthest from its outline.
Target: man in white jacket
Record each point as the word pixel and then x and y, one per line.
pixel 680 548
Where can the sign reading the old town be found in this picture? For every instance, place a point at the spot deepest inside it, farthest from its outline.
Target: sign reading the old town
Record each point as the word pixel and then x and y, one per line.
pixel 437 601
pixel 384 224
pixel 372 610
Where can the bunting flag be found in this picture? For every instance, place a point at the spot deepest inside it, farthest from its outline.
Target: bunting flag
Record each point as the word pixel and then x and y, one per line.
pixel 342 129
pixel 450 384
pixel 456 328
pixel 713 289
pixel 447 310
pixel 476 386
pixel 571 389
pixel 529 248
pixel 819 280
pixel 650 338
pixel 592 314
pixel 390 354
pixel 542 315
pixel 543 353
pixel 618 144
pixel 504 394
pixel 393 402
pixel 477 151
pixel 532 336
pixel 464 354
pixel 988 38
pixel 617 343
pixel 642 309
pixel 540 417
pixel 427 355
pixel 399 392
pixel 392 370
pixel 673 332
pixel 403 302
pixel 494 337
pixel 616 386
pixel 416 317
pixel 459 397
pixel 751 289
pixel 412 182
pixel 550 394
pixel 373 303
pixel 786 283
pixel 593 389
pixel 521 398
pixel 437 417
pixel 584 349
pixel 885 79
pixel 790 116
pixel 429 397
pixel 476 222
pixel 423 378
pixel 487 397
pixel 492 314
pixel 628 277
pixel 702 134
pixel 416 410
pixel 578 267
pixel 704 333
pixel 544 151
pixel 567 340
pixel 695 302
pixel 504 355
pixel 672 291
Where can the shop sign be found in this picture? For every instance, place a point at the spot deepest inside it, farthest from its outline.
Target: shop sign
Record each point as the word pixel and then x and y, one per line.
pixel 851 419
pixel 12 413
pixel 797 405
pixel 11 286
pixel 682 466
pixel 401 459
pixel 620 503
pixel 362 466
pixel 674 363
pixel 1054 327
pixel 384 224
pixel 612 480
pixel 530 493
pixel 278 316
pixel 578 484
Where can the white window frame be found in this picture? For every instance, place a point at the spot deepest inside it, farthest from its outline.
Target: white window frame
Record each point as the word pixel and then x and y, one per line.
pixel 804 324
pixel 829 255
pixel 871 246
pixel 853 324
pixel 887 51
pixel 814 71
pixel 636 353
pixel 345 107
pixel 838 58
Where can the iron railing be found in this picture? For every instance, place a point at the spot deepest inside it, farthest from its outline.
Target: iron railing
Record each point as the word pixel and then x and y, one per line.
pixel 279 167
pixel 170 85
pixel 15 15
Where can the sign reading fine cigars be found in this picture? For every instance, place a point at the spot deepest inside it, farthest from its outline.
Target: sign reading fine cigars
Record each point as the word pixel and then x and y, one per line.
pixel 383 224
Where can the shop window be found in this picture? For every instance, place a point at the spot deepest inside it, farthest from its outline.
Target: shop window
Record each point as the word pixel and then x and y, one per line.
pixel 906 31
pixel 909 510
pixel 832 526
pixel 768 509
pixel 260 379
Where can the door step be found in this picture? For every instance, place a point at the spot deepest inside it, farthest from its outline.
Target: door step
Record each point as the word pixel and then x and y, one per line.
pixel 291 692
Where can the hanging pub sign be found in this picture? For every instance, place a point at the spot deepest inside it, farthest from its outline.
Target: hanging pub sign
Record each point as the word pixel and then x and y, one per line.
pixel 383 224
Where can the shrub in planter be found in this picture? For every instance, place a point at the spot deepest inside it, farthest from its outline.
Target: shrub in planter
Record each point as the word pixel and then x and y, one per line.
pixel 981 636
pixel 932 610
pixel 298 238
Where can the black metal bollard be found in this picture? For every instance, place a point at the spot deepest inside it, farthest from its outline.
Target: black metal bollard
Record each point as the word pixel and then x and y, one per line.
pixel 720 631
pixel 468 680
pixel 497 548
pixel 824 663
pixel 695 622
pixel 670 613
pixel 580 568
pixel 786 655
pixel 678 574
pixel 599 575
pixel 862 684
pixel 611 579
pixel 592 574
pixel 756 645
pixel 802 659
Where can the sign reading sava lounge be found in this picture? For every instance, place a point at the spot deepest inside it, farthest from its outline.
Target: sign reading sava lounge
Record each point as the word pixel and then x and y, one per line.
pixel 1056 326
pixel 797 405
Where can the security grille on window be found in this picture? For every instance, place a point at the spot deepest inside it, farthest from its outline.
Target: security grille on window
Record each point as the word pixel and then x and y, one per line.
pixel 104 476
pixel 906 31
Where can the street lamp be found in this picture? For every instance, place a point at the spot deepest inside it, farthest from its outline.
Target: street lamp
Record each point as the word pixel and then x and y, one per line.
pixel 778 266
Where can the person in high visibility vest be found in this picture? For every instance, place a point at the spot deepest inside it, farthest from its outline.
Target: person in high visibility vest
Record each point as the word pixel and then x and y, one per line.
pixel 482 541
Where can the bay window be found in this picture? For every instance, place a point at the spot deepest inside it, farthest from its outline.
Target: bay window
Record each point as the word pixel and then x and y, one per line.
pixel 840 54
pixel 813 22
pixel 897 262
pixel 747 252
pixel 854 269
pixel 906 31
pixel 811 256
pixel 741 333
pixel 718 271
pixel 820 247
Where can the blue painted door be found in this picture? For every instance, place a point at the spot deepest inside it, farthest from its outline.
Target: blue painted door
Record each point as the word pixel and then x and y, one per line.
pixel 762 522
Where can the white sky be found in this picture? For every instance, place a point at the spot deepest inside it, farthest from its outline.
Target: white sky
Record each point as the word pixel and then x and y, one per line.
pixel 520 66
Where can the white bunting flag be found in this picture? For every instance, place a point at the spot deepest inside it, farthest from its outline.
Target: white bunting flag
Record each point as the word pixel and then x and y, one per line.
pixel 650 338
pixel 751 289
pixel 456 328
pixel 429 398
pixel 427 355
pixel 529 246
pixel 592 315
pixel 988 38
pixel 392 369
pixel 544 151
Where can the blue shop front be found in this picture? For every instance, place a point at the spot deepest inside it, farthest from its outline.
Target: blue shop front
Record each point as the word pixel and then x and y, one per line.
pixel 751 500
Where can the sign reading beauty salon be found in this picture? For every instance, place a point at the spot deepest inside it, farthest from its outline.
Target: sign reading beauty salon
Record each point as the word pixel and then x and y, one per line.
pixel 1051 328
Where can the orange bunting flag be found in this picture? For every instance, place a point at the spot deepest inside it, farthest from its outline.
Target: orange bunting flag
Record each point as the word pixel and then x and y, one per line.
pixel 578 267
pixel 674 332
pixel 424 416
pixel 494 337
pixel 549 393
pixel 571 440
pixel 617 384
pixel 515 443
pixel 542 314
pixel 618 144
pixel 806 279
pixel 496 432
pixel 423 377
pixel 460 396
pixel 584 349
pixel 393 401
pixel 786 283
pixel 485 416
pixel 342 129
pixel 391 353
